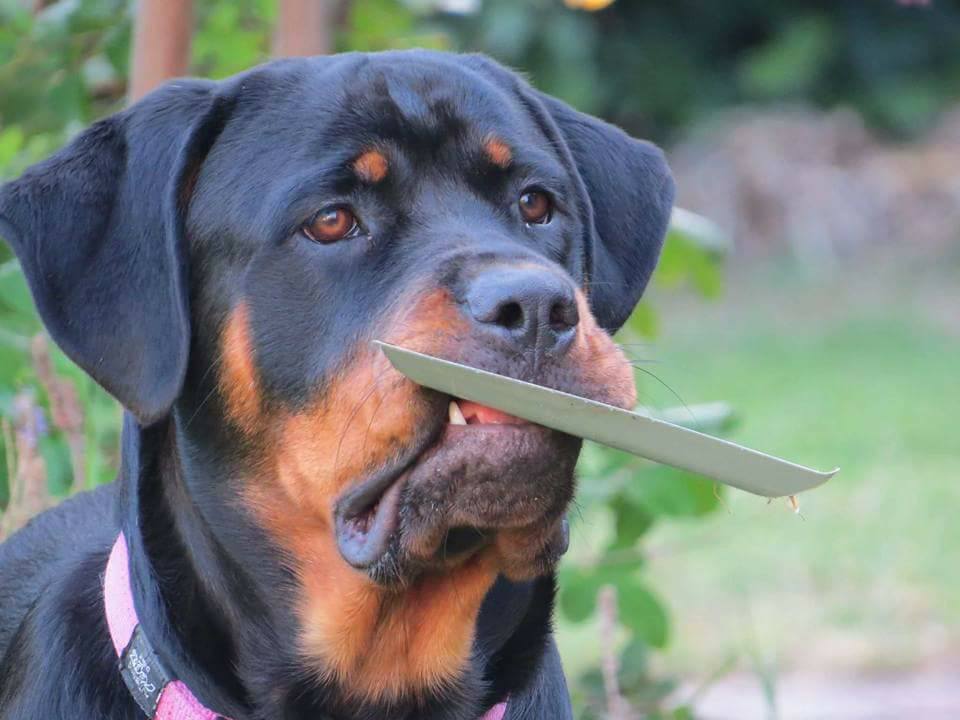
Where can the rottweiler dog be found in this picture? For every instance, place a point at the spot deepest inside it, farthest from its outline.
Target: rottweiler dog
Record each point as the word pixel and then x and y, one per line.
pixel 298 531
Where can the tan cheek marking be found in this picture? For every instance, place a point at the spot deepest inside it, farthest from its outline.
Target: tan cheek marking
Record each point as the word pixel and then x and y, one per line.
pixel 378 645
pixel 367 415
pixel 363 419
pixel 601 362
pixel 497 151
pixel 238 378
pixel 371 166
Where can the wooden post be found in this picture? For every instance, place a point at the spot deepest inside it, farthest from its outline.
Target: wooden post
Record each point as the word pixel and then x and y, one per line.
pixel 161 44
pixel 305 27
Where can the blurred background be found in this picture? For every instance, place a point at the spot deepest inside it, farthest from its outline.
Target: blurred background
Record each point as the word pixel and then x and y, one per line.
pixel 807 304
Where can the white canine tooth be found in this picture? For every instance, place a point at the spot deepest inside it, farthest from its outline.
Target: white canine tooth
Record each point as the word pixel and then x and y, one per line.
pixel 456 415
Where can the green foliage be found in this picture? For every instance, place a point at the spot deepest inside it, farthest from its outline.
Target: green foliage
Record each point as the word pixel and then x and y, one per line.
pixel 691 252
pixel 55 65
pixel 387 25
pixel 231 36
pixel 657 67
pixel 19 324
pixel 791 62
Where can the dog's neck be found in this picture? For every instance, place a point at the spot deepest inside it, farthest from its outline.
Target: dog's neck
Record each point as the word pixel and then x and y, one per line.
pixel 175 573
pixel 206 614
pixel 226 627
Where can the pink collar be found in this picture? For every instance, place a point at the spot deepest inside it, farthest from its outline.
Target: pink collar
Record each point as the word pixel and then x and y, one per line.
pixel 159 695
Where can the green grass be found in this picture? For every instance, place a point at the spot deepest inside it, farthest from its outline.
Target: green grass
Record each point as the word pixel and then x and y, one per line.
pixel 865 376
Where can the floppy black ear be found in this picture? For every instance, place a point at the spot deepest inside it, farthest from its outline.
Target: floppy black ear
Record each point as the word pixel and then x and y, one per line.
pixel 98 229
pixel 631 190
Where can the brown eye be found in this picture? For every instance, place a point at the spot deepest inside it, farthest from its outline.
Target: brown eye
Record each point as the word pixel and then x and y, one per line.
pixel 535 207
pixel 331 224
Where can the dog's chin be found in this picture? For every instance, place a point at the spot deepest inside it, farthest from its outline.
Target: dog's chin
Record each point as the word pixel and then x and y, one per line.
pixel 487 483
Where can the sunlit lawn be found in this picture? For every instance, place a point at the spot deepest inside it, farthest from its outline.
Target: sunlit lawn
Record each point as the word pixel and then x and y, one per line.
pixel 860 370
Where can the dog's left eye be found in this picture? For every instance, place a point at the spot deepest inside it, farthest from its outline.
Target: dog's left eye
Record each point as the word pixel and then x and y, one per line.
pixel 331 225
pixel 535 207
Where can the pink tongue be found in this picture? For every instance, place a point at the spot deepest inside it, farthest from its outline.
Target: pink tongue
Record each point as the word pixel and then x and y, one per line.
pixel 484 415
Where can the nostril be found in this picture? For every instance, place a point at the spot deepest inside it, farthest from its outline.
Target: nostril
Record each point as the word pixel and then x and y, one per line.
pixel 530 308
pixel 563 316
pixel 510 316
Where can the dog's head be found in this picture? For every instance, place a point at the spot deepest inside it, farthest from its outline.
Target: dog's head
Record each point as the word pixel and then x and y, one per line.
pixel 228 251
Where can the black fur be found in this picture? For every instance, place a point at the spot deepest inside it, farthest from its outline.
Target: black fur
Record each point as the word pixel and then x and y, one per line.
pixel 137 238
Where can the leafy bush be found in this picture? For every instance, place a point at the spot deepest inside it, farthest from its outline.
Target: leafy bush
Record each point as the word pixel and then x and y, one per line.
pixel 656 68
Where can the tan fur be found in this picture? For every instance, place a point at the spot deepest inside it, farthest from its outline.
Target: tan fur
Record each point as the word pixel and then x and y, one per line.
pixel 371 166
pixel 238 378
pixel 497 151
pixel 600 361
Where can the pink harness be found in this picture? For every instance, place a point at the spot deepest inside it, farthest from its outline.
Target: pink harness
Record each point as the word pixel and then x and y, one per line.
pixel 159 696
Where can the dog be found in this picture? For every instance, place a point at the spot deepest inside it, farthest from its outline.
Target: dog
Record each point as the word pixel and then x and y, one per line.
pixel 297 530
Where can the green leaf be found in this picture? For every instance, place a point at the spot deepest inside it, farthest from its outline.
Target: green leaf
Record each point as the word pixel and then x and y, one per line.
pixel 598 461
pixel 666 491
pixel 714 418
pixel 11 141
pixel 642 612
pixel 232 37
pixel 792 61
pixel 579 586
pixel 692 254
pixel 631 522
pixel 578 596
pixel 12 360
pixel 644 321
pixel 56 458
pixel 68 97
pixel 634 664
pixel 14 292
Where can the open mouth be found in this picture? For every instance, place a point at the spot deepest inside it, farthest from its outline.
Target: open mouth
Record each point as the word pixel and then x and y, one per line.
pixel 368 517
pixel 465 412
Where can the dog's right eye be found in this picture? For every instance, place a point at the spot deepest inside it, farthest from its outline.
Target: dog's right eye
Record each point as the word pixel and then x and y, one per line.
pixel 331 225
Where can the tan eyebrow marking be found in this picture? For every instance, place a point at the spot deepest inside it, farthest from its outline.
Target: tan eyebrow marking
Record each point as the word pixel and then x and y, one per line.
pixel 498 152
pixel 371 166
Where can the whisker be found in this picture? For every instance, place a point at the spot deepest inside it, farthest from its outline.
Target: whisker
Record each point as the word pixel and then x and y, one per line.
pixel 346 426
pixel 439 334
pixel 373 416
pixel 575 504
pixel 216 361
pixel 635 363
pixel 673 392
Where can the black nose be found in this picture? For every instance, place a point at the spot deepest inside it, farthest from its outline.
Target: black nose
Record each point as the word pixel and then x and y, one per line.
pixel 534 308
